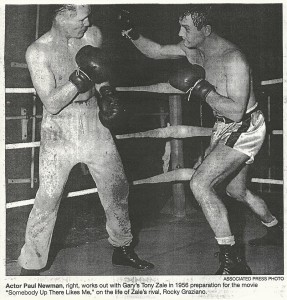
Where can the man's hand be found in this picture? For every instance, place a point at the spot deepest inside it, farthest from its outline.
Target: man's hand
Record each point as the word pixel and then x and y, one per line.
pixel 111 110
pixel 127 26
pixel 92 68
pixel 191 78
pixel 81 80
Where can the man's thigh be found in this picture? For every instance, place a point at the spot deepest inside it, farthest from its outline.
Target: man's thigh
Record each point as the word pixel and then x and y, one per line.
pixel 238 181
pixel 221 162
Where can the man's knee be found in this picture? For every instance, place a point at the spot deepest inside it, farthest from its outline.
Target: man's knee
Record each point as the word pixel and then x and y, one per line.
pixel 124 190
pixel 118 190
pixel 198 184
pixel 48 199
pixel 237 192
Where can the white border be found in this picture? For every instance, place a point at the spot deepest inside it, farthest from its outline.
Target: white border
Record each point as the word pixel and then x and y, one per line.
pixel 268 292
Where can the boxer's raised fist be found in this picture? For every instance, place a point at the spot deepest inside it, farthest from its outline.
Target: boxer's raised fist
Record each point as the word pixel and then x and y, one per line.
pixel 92 68
pixel 93 62
pixel 127 26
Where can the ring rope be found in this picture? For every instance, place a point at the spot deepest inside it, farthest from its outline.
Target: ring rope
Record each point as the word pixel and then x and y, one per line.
pixel 22 145
pixel 94 190
pixel 70 195
pixel 269 181
pixel 272 81
pixel 20 91
pixel 126 89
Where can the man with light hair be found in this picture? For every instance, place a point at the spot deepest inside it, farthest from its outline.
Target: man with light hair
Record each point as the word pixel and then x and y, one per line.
pixel 70 74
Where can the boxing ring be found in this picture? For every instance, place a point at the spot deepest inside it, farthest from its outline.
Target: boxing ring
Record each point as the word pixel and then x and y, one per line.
pixel 175 133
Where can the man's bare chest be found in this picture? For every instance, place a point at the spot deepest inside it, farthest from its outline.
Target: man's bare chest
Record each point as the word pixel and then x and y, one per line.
pixel 215 72
pixel 62 62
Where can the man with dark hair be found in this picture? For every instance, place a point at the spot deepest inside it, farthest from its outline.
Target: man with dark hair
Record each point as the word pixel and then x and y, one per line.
pixel 200 15
pixel 69 72
pixel 219 75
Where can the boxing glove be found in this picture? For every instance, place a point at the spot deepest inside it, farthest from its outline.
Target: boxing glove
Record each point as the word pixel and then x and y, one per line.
pixel 191 78
pixel 82 81
pixel 111 112
pixel 126 25
pixel 92 68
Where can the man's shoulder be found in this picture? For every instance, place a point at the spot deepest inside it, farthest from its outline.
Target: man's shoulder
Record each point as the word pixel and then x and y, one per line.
pixel 39 49
pixel 227 50
pixel 93 36
pixel 40 45
pixel 233 54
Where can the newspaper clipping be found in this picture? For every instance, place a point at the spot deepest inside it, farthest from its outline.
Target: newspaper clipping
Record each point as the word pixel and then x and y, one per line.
pixel 142 150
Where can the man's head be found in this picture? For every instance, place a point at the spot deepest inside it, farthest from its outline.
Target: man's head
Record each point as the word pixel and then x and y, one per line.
pixel 195 22
pixel 72 20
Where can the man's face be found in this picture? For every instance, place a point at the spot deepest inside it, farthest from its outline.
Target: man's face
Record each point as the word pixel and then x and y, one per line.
pixel 76 23
pixel 191 36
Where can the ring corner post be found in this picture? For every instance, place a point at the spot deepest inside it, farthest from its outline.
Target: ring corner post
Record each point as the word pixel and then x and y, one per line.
pixel 175 108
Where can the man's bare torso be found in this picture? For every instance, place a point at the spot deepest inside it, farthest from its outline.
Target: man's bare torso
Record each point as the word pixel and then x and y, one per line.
pixel 61 56
pixel 80 114
pixel 214 66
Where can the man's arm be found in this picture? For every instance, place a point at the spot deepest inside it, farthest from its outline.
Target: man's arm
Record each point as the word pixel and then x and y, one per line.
pixel 54 99
pixel 148 47
pixel 237 87
pixel 154 50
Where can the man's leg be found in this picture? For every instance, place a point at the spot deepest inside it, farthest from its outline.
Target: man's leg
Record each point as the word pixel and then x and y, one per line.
pixel 237 189
pixel 221 162
pixel 54 168
pixel 107 170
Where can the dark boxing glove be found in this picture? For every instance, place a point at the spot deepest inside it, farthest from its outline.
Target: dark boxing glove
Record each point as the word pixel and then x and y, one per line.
pixel 127 26
pixel 92 69
pixel 81 80
pixel 191 78
pixel 93 62
pixel 111 112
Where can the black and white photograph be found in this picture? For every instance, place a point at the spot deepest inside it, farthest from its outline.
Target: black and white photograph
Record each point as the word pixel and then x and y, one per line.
pixel 143 150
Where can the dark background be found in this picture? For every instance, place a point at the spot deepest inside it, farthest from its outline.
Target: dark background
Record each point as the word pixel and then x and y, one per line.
pixel 255 28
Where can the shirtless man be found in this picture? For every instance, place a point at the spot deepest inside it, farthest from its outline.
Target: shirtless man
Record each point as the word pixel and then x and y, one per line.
pixel 219 75
pixel 67 68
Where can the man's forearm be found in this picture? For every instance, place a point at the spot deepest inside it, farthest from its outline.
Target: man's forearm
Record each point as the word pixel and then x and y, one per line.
pixel 60 97
pixel 148 47
pixel 225 106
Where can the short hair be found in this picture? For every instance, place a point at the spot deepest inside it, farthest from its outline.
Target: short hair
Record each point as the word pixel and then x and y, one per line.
pixel 200 14
pixel 62 8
